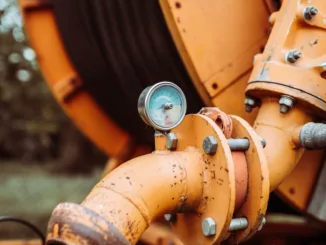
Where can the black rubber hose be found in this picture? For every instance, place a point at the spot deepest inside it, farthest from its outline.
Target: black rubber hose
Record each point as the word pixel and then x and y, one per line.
pixel 24 222
pixel 119 47
pixel 313 136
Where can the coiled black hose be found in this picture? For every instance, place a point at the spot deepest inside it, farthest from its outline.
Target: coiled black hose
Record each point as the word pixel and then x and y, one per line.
pixel 119 47
pixel 26 223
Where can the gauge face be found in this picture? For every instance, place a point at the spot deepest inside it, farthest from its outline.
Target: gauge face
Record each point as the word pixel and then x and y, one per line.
pixel 164 105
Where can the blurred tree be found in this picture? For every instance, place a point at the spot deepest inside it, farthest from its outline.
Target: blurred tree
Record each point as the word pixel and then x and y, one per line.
pixel 32 126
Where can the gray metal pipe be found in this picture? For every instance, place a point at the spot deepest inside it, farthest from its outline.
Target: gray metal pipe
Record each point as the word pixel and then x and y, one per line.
pixel 313 136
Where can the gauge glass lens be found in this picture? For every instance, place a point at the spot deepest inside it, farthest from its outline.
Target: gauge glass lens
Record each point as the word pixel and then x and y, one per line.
pixel 166 106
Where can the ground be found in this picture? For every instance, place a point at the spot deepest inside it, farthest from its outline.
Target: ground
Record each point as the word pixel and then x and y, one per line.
pixel 31 191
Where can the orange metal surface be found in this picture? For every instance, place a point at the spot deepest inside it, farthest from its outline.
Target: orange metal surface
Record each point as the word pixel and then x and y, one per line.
pixel 224 122
pixel 217 55
pixel 276 128
pixel 301 79
pixel 218 58
pixel 60 74
pixel 159 235
pixel 297 188
pixel 256 201
pixel 130 199
pixel 219 182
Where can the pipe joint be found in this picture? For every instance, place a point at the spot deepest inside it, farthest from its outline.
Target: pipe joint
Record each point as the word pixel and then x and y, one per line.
pixel 313 136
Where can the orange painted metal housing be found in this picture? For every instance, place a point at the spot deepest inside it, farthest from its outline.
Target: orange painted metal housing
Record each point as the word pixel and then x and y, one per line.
pixel 219 67
pixel 64 82
pixel 273 76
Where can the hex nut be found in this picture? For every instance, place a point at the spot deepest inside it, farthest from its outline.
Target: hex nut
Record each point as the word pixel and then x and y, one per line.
pixel 292 56
pixel 210 145
pixel 171 141
pixel 286 103
pixel 249 103
pixel 208 227
pixel 309 12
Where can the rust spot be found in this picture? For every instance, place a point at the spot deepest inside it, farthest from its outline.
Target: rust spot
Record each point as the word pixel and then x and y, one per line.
pixel 127 177
pixel 292 191
pixel 213 174
pixel 178 5
pixel 226 170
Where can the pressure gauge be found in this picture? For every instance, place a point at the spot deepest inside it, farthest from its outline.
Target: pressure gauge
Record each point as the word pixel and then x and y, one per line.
pixel 162 106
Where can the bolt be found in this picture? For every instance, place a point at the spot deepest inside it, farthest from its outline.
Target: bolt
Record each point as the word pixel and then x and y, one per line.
pixel 170 217
pixel 238 224
pixel 309 12
pixel 263 141
pixel 263 222
pixel 286 103
pixel 208 227
pixel 210 145
pixel 172 141
pixel 292 56
pixel 249 103
pixel 238 144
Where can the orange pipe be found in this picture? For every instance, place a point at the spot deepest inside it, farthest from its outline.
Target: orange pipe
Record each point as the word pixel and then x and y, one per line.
pixel 123 204
pixel 137 192
pixel 277 129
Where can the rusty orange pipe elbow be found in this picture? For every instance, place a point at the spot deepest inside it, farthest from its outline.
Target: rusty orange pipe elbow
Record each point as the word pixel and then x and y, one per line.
pixel 277 129
pixel 126 201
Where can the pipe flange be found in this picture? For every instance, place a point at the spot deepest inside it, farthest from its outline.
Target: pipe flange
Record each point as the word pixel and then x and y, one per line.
pixel 218 177
pixel 255 204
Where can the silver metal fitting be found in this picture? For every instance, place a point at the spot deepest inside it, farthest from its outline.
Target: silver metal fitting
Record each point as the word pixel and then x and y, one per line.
pixel 208 227
pixel 286 103
pixel 249 103
pixel 309 12
pixel 210 145
pixel 171 141
pixel 238 224
pixel 293 56
pixel 263 222
pixel 238 144
pixel 170 217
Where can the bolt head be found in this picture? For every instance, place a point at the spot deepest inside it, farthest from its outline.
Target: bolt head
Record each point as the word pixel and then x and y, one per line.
pixel 286 100
pixel 171 141
pixel 250 101
pixel 210 145
pixel 309 12
pixel 208 227
pixel 170 217
pixel 286 103
pixel 293 56
pixel 263 222
pixel 263 141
